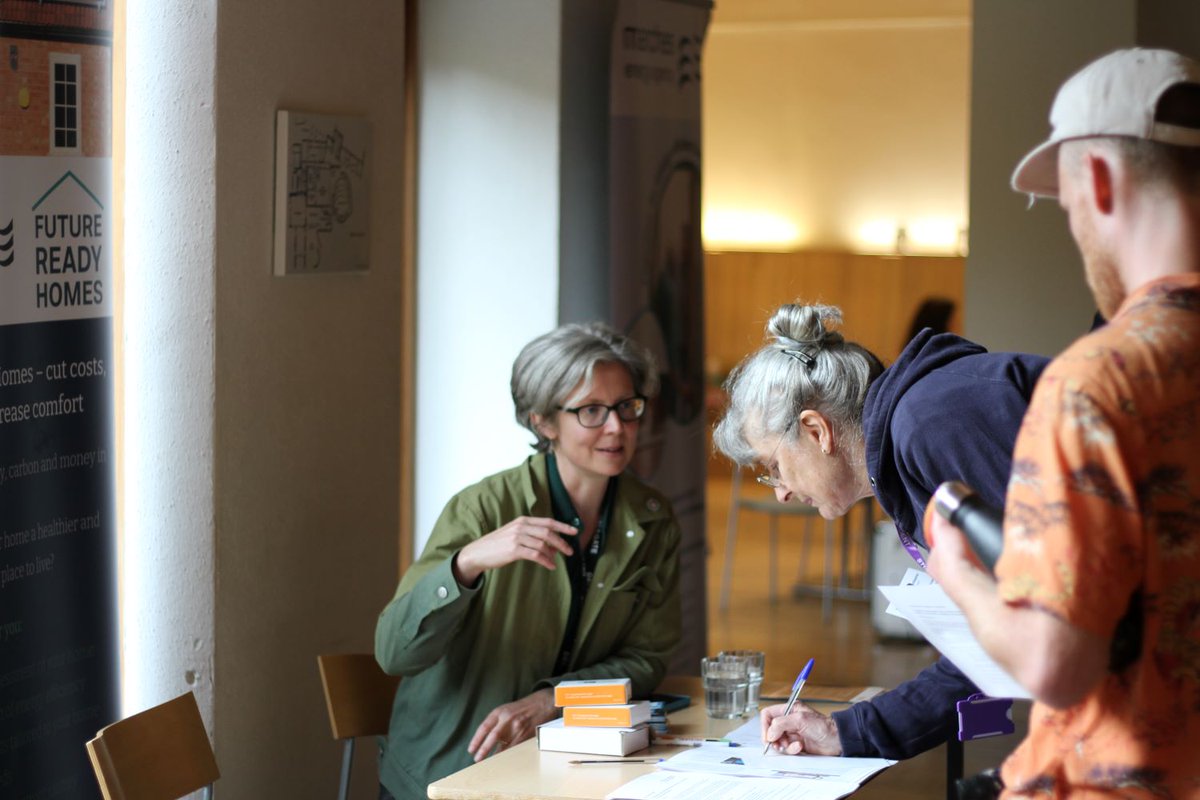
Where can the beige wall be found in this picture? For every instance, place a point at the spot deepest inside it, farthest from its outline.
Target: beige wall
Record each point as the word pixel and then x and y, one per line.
pixel 834 122
pixel 1024 284
pixel 307 397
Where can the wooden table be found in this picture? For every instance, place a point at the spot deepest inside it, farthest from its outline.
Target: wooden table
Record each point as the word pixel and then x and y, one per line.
pixel 526 773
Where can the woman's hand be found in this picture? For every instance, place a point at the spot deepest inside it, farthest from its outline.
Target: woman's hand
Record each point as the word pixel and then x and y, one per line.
pixel 536 539
pixel 802 731
pixel 512 723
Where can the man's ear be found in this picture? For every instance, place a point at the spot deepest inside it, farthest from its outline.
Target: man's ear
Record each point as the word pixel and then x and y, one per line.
pixel 1101 174
pixel 816 428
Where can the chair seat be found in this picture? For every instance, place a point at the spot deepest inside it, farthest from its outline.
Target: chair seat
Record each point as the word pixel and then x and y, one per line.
pixel 768 505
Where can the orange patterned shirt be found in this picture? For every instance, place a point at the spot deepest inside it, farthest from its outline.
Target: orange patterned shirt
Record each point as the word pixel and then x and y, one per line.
pixel 1102 529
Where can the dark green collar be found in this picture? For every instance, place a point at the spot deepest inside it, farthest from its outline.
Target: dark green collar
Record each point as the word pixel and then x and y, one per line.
pixel 564 509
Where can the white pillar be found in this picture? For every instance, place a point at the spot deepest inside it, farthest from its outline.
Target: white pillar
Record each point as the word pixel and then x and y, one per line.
pixel 488 232
pixel 167 567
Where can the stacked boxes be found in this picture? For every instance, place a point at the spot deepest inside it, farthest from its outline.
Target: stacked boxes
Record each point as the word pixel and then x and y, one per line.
pixel 597 718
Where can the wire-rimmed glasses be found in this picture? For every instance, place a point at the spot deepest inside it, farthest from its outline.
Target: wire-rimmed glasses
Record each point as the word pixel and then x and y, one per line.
pixel 767 479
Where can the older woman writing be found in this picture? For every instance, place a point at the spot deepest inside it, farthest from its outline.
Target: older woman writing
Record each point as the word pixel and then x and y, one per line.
pixel 564 567
pixel 831 426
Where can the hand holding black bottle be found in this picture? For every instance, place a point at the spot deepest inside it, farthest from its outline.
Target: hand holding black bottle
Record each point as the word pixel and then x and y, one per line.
pixel 967 511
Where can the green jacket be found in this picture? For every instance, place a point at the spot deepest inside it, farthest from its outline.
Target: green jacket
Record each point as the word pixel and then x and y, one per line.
pixel 463 652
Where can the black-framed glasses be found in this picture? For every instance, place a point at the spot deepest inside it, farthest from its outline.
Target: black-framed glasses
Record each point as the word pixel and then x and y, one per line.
pixel 769 480
pixel 593 415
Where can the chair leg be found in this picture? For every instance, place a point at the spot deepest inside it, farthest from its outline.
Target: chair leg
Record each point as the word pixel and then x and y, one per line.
pixel 868 544
pixel 954 766
pixel 802 578
pixel 735 494
pixel 773 539
pixel 845 571
pixel 826 581
pixel 347 762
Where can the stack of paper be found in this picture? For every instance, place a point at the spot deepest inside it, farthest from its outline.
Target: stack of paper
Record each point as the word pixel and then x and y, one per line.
pixel 691 786
pixel 744 773
pixel 933 613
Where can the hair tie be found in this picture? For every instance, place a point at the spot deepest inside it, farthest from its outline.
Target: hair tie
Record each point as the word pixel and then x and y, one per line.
pixel 804 358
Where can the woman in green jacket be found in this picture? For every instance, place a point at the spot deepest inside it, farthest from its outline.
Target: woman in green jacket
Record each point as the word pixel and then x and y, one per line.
pixel 564 567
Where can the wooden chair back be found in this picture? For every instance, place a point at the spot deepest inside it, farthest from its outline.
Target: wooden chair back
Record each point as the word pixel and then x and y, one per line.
pixel 358 697
pixel 162 753
pixel 358 694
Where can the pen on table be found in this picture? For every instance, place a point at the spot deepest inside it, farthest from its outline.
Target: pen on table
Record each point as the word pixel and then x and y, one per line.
pixel 690 741
pixel 796 687
pixel 617 761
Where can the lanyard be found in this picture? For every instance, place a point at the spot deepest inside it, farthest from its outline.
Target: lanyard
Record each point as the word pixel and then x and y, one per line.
pixel 911 547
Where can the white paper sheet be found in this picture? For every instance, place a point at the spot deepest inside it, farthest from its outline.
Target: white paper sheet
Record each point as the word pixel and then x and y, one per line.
pixel 941 622
pixel 724 760
pixel 750 762
pixel 912 577
pixel 696 786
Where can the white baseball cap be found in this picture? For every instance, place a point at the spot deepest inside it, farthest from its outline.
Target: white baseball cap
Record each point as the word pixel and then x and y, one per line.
pixel 1116 95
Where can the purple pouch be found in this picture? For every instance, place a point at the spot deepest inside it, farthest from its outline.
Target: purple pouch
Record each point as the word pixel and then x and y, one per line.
pixel 980 716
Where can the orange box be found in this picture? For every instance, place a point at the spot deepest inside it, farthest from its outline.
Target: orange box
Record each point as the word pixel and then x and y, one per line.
pixel 614 716
pixel 607 691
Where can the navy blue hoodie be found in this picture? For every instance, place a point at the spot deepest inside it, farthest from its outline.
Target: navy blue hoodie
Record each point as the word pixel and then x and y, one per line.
pixel 946 410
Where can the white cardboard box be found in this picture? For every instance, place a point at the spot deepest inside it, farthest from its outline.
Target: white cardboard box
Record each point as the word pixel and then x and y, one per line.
pixel 596 741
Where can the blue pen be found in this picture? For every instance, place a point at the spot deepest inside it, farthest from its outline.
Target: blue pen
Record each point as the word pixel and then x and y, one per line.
pixel 796 687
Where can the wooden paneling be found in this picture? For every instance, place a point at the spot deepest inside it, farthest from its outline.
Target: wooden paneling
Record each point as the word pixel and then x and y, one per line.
pixel 878 296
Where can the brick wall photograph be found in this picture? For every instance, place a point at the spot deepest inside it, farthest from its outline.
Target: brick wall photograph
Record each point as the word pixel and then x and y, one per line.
pixel 35 35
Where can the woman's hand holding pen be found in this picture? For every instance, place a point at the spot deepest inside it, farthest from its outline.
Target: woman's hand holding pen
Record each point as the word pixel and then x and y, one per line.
pixel 536 539
pixel 802 731
pixel 512 723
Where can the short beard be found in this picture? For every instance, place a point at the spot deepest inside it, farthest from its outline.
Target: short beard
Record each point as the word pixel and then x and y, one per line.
pixel 1105 284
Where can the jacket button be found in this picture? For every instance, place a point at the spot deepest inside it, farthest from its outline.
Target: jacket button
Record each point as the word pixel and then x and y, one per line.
pixel 653 504
pixel 600 585
pixel 442 593
pixel 629 534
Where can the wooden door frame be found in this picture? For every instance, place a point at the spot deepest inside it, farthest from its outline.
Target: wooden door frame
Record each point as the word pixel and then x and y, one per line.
pixel 408 286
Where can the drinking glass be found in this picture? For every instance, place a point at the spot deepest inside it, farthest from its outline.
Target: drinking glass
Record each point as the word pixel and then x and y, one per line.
pixel 726 683
pixel 754 667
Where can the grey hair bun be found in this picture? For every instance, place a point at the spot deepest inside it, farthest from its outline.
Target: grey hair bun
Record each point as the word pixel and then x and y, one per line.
pixel 805 326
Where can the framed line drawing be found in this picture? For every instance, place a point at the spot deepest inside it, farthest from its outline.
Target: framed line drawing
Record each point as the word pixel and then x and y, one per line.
pixel 322 193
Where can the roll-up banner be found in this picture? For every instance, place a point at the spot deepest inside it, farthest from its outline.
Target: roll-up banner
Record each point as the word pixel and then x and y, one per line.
pixel 58 614
pixel 657 270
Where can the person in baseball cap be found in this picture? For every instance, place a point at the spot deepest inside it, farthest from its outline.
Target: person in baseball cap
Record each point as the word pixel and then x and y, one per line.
pixel 1130 93
pixel 1095 602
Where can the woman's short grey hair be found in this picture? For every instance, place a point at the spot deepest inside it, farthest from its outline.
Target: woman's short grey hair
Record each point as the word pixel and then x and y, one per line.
pixel 804 365
pixel 549 368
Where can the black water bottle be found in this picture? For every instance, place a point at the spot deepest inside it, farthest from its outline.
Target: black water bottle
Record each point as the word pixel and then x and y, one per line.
pixel 967 511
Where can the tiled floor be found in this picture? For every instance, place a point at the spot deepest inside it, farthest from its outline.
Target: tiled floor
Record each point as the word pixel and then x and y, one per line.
pixel 846 648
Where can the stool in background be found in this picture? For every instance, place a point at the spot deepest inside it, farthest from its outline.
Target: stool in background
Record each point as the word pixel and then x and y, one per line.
pixel 774 510
pixel 890 561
